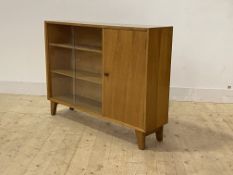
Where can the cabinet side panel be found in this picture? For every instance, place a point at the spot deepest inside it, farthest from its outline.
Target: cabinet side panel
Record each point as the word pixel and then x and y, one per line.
pixel 158 77
pixel 48 79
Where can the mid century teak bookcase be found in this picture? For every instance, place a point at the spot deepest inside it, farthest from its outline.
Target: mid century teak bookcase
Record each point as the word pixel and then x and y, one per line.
pixel 118 73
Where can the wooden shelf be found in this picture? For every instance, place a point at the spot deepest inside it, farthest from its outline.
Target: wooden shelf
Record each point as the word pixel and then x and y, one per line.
pixel 67 46
pixel 87 48
pixel 80 75
pixel 87 76
pixel 68 73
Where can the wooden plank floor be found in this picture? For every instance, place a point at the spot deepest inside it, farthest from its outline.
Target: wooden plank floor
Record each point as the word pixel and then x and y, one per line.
pixel 198 140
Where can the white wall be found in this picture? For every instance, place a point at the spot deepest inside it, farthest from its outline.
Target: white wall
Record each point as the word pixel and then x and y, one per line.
pixel 202 47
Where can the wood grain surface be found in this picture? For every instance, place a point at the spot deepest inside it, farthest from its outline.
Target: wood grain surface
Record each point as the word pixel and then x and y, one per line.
pixel 125 87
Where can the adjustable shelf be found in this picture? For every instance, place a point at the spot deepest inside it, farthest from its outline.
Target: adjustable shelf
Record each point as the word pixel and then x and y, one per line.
pixel 87 48
pixel 81 75
pixel 66 46
pixel 67 73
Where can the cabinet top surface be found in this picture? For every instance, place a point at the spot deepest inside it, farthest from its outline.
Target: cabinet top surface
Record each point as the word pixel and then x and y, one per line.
pixel 106 25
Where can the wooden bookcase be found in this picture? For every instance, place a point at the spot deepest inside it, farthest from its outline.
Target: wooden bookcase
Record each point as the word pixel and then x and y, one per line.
pixel 117 73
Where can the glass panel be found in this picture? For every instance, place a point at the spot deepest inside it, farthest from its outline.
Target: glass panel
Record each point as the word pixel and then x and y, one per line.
pixel 88 95
pixel 88 37
pixel 61 55
pixel 88 67
pixel 75 55
pixel 62 88
pixel 89 62
pixel 60 34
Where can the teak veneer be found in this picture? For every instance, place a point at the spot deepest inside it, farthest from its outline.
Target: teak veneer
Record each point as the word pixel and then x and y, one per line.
pixel 114 72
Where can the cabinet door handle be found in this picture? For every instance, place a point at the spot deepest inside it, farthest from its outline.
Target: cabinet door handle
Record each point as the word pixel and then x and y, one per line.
pixel 106 74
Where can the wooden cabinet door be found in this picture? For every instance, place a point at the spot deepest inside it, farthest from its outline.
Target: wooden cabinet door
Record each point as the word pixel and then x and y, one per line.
pixel 124 86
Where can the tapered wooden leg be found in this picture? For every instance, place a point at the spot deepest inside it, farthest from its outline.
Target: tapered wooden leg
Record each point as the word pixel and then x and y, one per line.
pixel 71 108
pixel 140 139
pixel 53 108
pixel 159 134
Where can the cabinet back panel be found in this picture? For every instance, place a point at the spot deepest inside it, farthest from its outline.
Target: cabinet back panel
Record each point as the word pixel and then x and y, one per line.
pixel 88 90
pixel 124 53
pixel 89 61
pixel 61 59
pixel 59 34
pixel 88 36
